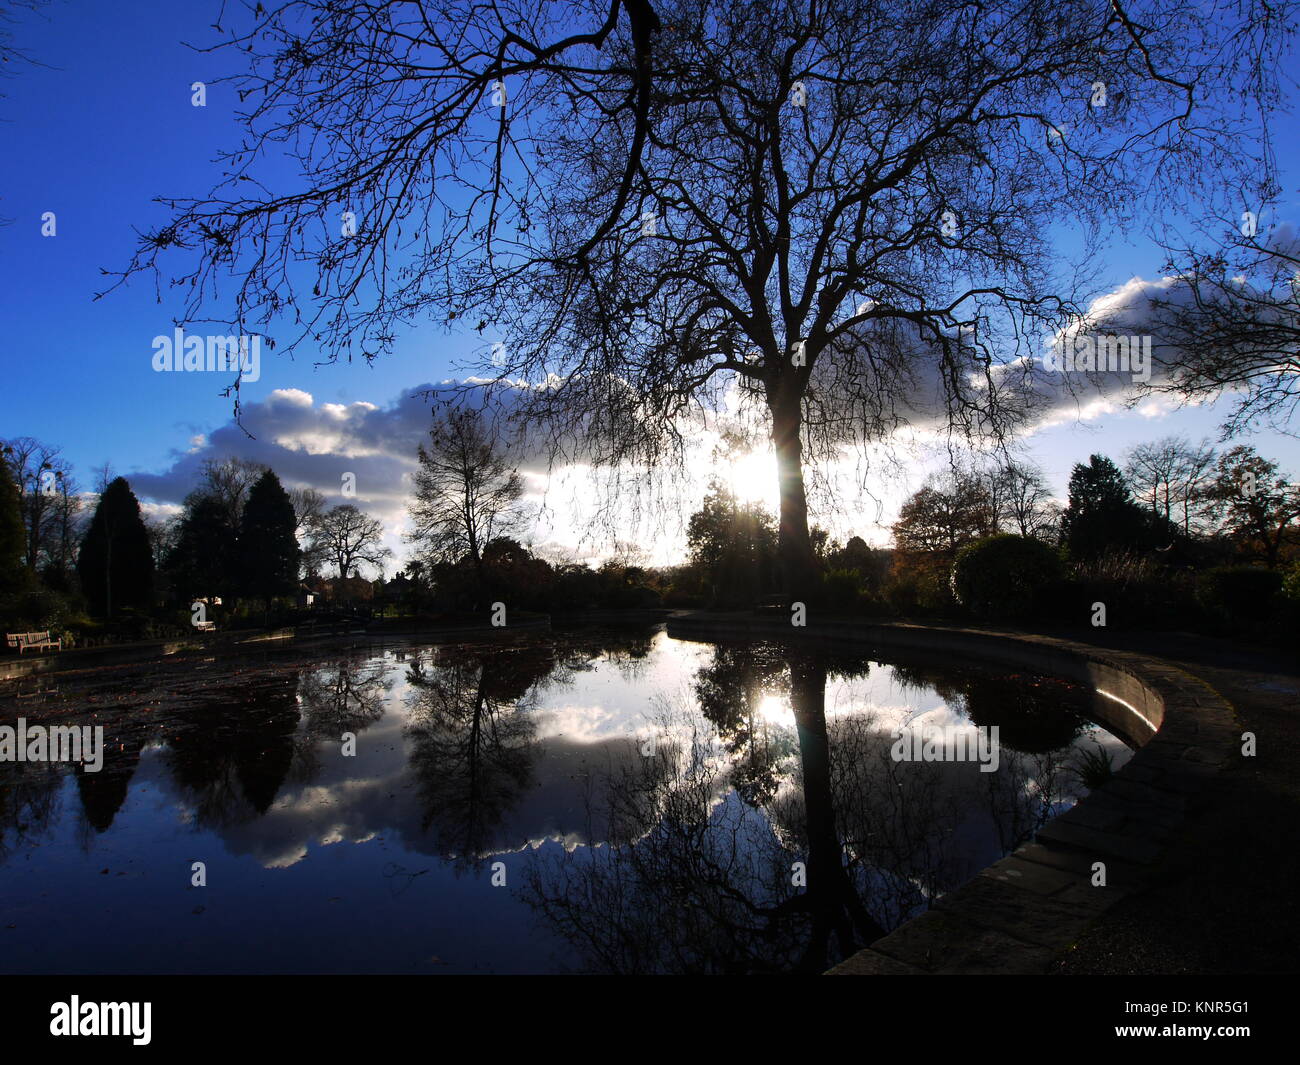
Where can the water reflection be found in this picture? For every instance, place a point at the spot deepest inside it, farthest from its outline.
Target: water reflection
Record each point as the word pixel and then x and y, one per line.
pixel 473 741
pixel 785 841
pixel 661 806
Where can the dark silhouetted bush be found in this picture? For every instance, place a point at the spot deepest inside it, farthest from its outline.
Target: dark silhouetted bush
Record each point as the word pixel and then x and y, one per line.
pixel 1239 595
pixel 1000 577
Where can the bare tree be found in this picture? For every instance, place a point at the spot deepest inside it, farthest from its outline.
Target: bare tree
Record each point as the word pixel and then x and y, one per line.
pixel 1231 326
pixel 229 481
pixel 104 476
pixel 347 538
pixel 843 210
pixel 12 56
pixel 10 52
pixel 466 490
pixel 1172 476
pixel 308 506
pixel 48 501
pixel 1023 500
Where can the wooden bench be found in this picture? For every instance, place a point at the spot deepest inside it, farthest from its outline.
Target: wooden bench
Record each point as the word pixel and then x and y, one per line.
pixel 32 641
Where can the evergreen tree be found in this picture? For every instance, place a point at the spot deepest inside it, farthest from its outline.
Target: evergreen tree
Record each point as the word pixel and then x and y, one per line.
pixel 203 562
pixel 115 563
pixel 1102 515
pixel 268 549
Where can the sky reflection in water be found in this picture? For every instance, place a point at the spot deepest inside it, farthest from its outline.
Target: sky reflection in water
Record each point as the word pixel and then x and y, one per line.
pixel 649 799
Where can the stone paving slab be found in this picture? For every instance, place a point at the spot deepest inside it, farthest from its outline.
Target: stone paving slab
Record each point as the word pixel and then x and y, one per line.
pixel 1024 915
pixel 1125 876
pixel 946 942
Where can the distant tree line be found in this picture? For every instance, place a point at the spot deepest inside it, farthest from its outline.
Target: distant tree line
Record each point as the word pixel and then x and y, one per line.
pixel 1177 531
pixel 93 564
pixel 1176 534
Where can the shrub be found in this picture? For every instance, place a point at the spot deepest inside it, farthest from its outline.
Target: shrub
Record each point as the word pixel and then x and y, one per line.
pixel 1291 582
pixel 841 588
pixel 999 577
pixel 934 593
pixel 1241 594
pixel 1138 593
pixel 36 608
pixel 901 592
pixel 1095 767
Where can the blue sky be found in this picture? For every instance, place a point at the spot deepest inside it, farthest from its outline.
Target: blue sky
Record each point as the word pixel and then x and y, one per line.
pixel 95 139
pixel 106 125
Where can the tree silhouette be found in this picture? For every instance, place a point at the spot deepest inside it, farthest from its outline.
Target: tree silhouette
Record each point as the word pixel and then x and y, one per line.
pixel 1231 325
pixel 115 563
pixel 466 492
pixel 1169 474
pixel 50 505
pixel 940 517
pixel 11 530
pixel 734 544
pixel 268 547
pixel 346 537
pixel 844 212
pixel 1254 505
pixel 1102 515
pixel 203 560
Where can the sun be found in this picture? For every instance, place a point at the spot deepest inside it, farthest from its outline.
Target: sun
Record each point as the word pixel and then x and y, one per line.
pixel 751 477
pixel 774 708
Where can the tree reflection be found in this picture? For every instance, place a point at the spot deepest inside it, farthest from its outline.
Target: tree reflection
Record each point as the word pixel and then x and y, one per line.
pixel 699 877
pixel 29 803
pixel 232 751
pixel 472 740
pixel 29 791
pixel 704 835
pixel 1033 713
pixel 693 879
pixel 731 691
pixel 345 696
pixel 103 793
pixel 837 909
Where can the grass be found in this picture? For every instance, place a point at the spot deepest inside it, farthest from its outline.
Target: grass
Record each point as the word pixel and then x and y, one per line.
pixel 1095 768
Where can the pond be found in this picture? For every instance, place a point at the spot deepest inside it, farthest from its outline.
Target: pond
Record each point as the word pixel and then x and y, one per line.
pixel 575 801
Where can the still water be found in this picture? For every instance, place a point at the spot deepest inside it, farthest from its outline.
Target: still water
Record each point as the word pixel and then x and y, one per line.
pixel 610 801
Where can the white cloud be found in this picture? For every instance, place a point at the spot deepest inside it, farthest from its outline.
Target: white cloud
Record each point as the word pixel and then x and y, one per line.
pixel 580 513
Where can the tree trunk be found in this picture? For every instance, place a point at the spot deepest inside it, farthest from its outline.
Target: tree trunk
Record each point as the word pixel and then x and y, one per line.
pixel 794 546
pixel 836 907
